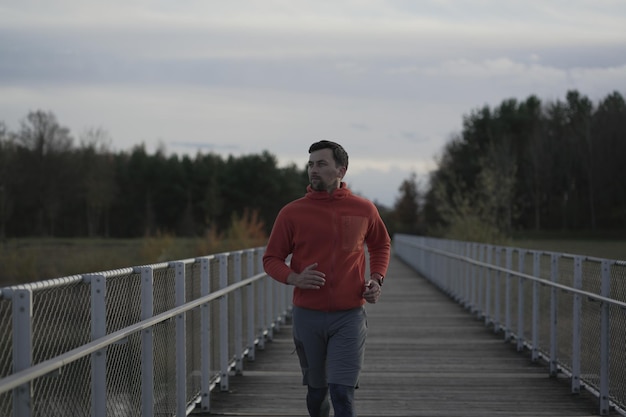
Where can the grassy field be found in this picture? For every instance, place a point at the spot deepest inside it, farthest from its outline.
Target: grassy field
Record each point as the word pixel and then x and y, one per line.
pixel 29 260
pixel 609 249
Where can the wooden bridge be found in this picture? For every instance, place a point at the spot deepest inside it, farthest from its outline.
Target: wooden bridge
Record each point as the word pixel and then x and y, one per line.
pixel 426 356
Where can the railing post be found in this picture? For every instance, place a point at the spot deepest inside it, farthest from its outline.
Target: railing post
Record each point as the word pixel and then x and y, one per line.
pixel 497 314
pixel 251 307
pixel 224 365
pixel 181 346
pixel 554 275
pixel 457 273
pixel 237 259
pixel 467 296
pixel 269 310
pixel 424 261
pixel 479 279
pixel 605 291
pixel 22 308
pixel 461 276
pixel 205 335
pixel 520 302
pixel 261 305
pixel 577 307
pixel 507 295
pixel 277 303
pixel 430 266
pixel 147 343
pixel 98 359
pixel 534 355
pixel 488 282
pixel 433 267
pixel 463 284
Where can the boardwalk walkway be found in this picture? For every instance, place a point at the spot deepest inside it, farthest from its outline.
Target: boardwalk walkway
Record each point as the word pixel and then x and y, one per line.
pixel 426 356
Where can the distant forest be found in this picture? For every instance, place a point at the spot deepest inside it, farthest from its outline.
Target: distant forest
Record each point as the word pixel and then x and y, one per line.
pixel 523 165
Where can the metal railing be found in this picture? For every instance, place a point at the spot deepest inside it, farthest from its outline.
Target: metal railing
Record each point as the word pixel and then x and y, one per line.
pixel 567 310
pixel 147 341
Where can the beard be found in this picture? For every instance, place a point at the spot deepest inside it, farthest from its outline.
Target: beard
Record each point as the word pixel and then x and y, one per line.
pixel 318 184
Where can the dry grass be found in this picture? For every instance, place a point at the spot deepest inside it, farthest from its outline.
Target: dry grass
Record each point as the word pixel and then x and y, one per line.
pixel 598 248
pixel 30 260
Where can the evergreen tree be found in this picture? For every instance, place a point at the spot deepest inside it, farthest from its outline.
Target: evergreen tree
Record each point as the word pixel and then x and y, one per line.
pixel 406 207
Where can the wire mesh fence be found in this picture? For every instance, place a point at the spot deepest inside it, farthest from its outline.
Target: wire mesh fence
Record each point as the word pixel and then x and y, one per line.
pixel 147 340
pixel 154 340
pixel 569 311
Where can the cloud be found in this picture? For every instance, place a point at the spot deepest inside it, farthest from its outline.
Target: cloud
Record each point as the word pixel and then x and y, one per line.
pixel 390 80
pixel 202 146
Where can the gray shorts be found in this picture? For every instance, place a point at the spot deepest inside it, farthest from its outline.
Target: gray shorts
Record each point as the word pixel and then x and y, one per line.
pixel 330 345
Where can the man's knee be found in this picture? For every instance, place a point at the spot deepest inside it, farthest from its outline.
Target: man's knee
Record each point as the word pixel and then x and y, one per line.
pixel 342 397
pixel 317 402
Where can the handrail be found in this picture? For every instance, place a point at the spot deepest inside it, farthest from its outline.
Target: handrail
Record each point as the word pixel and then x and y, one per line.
pixel 43 368
pixel 591 353
pixel 462 273
pixel 130 340
pixel 545 282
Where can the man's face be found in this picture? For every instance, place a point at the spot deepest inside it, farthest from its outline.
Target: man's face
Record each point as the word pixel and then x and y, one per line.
pixel 324 174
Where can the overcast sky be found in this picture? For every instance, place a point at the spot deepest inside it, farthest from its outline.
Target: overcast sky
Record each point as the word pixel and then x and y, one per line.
pixel 390 80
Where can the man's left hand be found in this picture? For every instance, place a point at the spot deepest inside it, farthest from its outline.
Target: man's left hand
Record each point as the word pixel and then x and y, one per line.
pixel 372 291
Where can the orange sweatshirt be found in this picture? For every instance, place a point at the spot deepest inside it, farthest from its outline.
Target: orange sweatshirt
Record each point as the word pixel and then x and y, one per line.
pixel 330 229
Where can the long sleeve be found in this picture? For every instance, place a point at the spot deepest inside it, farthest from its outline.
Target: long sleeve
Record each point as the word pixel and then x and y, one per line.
pixel 277 250
pixel 379 246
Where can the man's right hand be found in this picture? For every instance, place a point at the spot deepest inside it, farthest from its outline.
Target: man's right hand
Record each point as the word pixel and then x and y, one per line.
pixel 308 279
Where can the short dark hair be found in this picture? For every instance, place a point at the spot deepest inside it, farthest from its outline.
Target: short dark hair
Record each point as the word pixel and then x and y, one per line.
pixel 339 153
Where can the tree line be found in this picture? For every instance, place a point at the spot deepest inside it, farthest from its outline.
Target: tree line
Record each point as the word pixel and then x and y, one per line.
pixel 522 165
pixel 50 186
pixel 527 165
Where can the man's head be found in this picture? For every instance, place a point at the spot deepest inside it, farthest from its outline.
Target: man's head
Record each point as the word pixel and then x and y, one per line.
pixel 339 154
pixel 328 162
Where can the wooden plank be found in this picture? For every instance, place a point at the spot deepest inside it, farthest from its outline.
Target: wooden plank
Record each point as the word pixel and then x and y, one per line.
pixel 425 356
